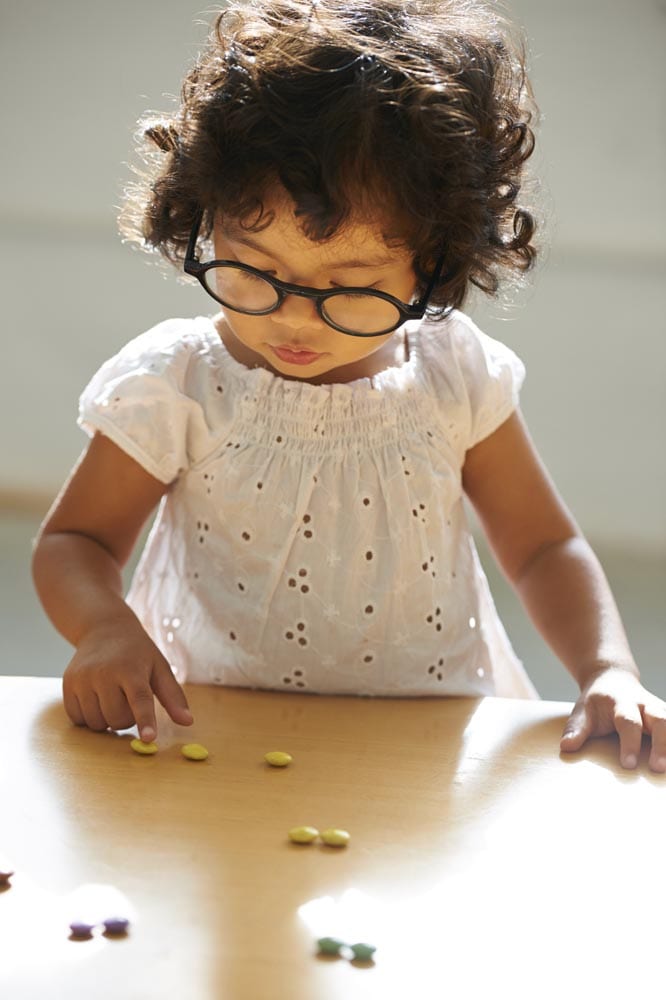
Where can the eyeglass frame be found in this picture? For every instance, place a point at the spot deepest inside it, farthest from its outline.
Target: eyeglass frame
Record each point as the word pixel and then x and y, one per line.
pixel 194 267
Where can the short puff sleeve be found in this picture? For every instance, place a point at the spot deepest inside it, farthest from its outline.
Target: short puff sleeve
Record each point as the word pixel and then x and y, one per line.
pixel 137 399
pixel 492 375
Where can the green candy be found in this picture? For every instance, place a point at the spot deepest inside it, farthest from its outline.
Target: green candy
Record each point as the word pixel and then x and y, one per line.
pixel 363 952
pixel 330 945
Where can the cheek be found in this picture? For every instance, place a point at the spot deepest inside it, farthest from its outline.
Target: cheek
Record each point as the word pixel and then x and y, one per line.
pixel 246 328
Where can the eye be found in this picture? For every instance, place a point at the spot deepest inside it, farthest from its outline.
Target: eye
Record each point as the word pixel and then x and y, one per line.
pixel 264 270
pixel 363 288
pixel 252 278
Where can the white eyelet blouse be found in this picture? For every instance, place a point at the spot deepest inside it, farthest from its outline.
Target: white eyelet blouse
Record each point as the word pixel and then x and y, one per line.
pixel 313 537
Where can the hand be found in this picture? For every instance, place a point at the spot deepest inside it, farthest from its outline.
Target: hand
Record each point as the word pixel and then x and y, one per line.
pixel 615 700
pixel 112 679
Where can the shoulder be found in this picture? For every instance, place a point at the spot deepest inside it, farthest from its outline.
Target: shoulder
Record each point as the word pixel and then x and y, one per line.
pixel 464 366
pixel 170 345
pixel 183 353
pixel 156 398
pixel 458 342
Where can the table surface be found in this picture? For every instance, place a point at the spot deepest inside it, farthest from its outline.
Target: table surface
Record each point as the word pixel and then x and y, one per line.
pixel 480 859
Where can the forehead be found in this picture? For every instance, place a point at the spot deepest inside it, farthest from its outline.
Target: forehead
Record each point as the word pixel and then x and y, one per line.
pixel 374 242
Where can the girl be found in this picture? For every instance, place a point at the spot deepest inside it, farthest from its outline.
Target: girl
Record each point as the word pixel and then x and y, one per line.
pixel 337 177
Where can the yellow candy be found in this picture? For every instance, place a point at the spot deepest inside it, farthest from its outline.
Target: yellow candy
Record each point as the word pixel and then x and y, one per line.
pixel 276 758
pixel 145 748
pixel 335 838
pixel 303 834
pixel 194 751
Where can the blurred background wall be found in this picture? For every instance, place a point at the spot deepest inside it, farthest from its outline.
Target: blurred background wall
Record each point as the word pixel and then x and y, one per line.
pixel 74 78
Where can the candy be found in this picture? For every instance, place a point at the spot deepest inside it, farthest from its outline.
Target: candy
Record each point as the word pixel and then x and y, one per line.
pixel 143 748
pixel 5 877
pixel 303 834
pixel 276 758
pixel 335 838
pixel 80 929
pixel 194 751
pixel 116 925
pixel 363 952
pixel 330 945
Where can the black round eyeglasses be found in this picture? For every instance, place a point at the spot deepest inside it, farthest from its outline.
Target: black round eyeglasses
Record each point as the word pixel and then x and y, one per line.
pixel 358 312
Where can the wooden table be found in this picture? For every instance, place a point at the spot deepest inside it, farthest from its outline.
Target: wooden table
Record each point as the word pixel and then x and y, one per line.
pixel 481 864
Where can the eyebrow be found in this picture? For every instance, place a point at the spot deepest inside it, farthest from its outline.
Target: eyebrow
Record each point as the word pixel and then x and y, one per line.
pixel 353 262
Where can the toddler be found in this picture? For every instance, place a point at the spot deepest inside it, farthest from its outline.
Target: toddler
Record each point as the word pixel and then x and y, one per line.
pixel 337 177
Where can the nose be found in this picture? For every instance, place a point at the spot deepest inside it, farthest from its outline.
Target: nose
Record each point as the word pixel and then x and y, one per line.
pixel 297 312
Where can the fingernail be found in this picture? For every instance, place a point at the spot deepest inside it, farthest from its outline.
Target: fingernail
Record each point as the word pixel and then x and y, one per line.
pixel 630 760
pixel 661 764
pixel 147 735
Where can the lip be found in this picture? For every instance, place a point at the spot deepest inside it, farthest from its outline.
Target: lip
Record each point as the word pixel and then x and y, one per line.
pixel 295 357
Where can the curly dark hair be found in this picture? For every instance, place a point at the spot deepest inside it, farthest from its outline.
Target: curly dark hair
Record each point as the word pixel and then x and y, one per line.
pixel 418 108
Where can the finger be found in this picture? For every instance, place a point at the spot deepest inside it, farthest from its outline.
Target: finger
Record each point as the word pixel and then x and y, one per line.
pixel 92 713
pixel 73 708
pixel 577 729
pixel 655 723
pixel 628 722
pixel 116 710
pixel 142 707
pixel 171 694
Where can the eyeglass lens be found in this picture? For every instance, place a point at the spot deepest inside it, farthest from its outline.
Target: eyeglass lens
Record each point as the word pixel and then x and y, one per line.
pixel 247 292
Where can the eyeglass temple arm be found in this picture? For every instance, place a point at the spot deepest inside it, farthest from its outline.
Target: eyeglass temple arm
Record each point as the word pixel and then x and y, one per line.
pixel 192 244
pixel 431 284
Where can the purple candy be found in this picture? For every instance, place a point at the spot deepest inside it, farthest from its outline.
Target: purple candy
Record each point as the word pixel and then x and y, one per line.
pixel 80 929
pixel 116 925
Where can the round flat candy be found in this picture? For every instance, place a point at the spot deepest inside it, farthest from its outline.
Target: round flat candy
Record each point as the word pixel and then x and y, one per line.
pixel 330 945
pixel 335 838
pixel 276 758
pixel 363 952
pixel 5 877
pixel 303 834
pixel 116 925
pixel 80 929
pixel 143 748
pixel 194 751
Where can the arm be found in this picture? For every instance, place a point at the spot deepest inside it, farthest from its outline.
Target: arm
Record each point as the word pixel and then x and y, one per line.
pixel 84 542
pixel 564 590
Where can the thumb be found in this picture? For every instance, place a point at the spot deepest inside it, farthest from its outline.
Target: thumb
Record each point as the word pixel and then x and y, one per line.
pixel 577 729
pixel 171 695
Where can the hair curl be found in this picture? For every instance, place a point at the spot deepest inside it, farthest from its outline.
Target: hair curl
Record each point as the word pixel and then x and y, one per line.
pixel 421 108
